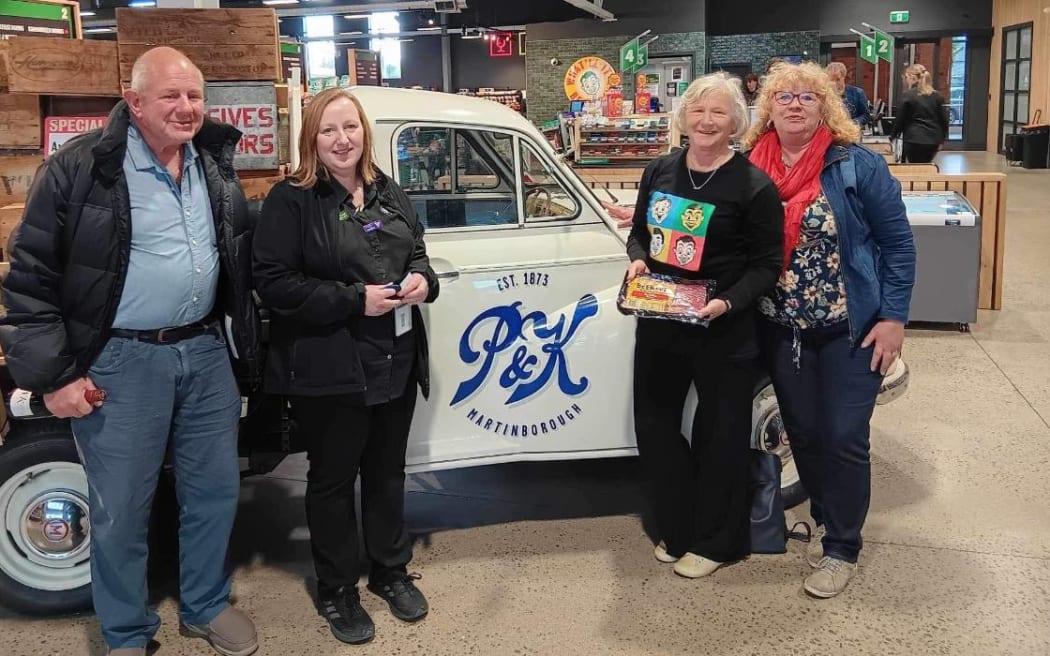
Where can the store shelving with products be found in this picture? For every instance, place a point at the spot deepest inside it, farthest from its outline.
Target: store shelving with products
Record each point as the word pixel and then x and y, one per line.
pixel 631 138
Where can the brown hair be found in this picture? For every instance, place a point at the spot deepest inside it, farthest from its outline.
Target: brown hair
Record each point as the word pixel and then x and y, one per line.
pixel 923 79
pixel 808 77
pixel 310 168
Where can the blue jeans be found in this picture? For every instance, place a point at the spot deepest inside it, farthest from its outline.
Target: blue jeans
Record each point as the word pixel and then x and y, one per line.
pixel 181 395
pixel 826 405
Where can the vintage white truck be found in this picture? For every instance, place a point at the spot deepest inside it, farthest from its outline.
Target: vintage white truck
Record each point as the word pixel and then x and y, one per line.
pixel 530 360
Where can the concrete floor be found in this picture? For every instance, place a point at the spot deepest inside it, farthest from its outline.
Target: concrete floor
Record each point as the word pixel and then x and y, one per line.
pixel 554 559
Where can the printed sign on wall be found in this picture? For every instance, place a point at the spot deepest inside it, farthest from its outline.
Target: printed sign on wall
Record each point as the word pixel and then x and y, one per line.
pixel 257 148
pixel 589 78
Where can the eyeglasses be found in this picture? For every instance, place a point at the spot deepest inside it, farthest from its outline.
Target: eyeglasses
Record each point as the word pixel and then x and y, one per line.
pixel 806 98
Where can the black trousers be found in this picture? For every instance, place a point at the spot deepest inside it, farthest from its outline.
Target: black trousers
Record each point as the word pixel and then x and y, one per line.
pixel 699 486
pixel 917 153
pixel 343 439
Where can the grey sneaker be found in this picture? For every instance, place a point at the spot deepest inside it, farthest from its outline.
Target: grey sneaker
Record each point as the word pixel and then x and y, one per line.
pixel 830 578
pixel 815 548
pixel 231 633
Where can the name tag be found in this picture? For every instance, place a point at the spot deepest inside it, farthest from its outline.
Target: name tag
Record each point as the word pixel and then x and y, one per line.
pixel 403 314
pixel 373 226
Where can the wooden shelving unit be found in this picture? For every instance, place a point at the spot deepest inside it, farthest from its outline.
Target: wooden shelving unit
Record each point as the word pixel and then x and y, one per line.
pixel 623 139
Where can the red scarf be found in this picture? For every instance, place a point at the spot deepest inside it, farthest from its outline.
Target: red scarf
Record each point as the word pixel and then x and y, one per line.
pixel 798 186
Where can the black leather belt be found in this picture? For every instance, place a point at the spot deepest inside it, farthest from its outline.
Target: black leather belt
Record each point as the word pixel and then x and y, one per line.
pixel 168 335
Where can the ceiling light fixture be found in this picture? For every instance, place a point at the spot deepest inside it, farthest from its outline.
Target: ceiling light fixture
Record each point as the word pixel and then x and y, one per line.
pixel 140 3
pixel 280 2
pixel 356 16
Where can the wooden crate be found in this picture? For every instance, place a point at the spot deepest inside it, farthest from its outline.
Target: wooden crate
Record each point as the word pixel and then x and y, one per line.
pixel 66 67
pixel 226 44
pixel 10 218
pixel 3 65
pixel 257 184
pixel 16 175
pixel 19 120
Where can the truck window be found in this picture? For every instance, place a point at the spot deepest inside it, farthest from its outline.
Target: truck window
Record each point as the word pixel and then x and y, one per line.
pixel 458 177
pixel 544 197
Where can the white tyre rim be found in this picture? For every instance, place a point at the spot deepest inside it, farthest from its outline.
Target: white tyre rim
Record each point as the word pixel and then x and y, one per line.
pixel 768 434
pixel 47 538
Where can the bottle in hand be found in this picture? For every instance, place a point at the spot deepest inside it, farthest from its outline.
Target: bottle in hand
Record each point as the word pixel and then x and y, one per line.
pixel 23 404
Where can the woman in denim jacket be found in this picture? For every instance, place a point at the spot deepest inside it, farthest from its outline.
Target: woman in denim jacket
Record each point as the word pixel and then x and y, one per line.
pixel 834 324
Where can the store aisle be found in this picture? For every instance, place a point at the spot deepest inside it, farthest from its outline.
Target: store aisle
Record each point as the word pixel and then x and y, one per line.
pixel 553 558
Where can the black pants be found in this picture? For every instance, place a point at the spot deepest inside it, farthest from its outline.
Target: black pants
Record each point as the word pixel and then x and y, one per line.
pixel 826 406
pixel 699 486
pixel 344 438
pixel 917 153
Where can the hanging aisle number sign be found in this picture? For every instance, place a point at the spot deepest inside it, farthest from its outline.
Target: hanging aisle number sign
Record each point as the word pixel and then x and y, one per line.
pixel 629 56
pixel 883 46
pixel 867 49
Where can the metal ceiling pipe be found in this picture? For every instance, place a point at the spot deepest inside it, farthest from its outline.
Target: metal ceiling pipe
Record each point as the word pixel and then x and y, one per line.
pixel 593 7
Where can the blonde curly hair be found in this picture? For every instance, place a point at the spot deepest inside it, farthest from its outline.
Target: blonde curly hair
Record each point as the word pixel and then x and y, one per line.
pixel 804 77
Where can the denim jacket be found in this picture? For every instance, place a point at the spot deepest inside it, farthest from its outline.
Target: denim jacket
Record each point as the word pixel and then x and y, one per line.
pixel 875 239
pixel 857 105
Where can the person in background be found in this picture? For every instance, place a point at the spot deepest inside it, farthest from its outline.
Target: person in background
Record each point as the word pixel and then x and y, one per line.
pixel 134 246
pixel 721 220
pixel 922 120
pixel 341 262
pixel 834 324
pixel 750 89
pixel 853 98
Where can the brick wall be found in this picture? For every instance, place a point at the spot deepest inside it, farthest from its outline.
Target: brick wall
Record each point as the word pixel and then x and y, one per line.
pixel 758 48
pixel 545 83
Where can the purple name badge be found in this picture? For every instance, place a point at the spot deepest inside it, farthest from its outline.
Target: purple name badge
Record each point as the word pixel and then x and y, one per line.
pixel 373 226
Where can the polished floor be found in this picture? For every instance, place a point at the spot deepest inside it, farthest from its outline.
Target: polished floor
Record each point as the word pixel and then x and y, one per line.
pixel 554 558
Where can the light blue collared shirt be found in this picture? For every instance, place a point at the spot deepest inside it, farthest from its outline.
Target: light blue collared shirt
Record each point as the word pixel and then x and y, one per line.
pixel 174 267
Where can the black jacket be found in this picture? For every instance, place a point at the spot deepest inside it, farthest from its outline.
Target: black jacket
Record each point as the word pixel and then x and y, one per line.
pixel 314 308
pixel 70 255
pixel 921 119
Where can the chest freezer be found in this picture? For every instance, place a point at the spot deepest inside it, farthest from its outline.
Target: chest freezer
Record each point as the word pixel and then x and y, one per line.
pixel 947 232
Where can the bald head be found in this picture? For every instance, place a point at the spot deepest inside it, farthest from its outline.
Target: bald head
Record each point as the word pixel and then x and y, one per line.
pixel 158 64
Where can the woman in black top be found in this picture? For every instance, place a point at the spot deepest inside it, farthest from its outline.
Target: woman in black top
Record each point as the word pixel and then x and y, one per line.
pixel 341 263
pixel 921 119
pixel 705 213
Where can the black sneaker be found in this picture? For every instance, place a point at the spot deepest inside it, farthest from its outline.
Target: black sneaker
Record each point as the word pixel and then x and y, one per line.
pixel 349 622
pixel 398 590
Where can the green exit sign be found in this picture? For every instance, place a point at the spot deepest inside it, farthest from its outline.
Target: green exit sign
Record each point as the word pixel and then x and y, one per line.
pixel 900 16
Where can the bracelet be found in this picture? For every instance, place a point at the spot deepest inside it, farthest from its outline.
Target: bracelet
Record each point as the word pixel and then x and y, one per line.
pixel 729 306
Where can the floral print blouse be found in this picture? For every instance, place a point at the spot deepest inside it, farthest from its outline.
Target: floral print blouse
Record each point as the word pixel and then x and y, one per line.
pixel 811 292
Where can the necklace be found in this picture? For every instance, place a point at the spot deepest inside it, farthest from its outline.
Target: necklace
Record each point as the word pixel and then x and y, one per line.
pixel 709 175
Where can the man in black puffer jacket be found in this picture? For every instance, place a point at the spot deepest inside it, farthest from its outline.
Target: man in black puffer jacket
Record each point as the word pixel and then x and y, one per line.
pixel 130 268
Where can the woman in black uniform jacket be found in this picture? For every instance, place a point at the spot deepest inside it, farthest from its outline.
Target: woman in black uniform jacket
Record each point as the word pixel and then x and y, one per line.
pixel 340 261
pixel 921 120
pixel 703 213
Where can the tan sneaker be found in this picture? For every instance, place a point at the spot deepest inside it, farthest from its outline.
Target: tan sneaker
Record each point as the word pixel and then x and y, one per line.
pixel 830 578
pixel 231 633
pixel 692 566
pixel 660 551
pixel 815 548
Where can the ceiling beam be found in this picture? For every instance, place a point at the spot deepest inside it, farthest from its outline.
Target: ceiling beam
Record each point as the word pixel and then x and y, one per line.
pixel 593 7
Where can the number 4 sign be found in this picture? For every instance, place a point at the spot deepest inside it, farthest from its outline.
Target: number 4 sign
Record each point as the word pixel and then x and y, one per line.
pixel 629 56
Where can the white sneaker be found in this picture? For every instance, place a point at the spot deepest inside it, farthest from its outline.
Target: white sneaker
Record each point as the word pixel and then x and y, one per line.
pixel 815 548
pixel 692 566
pixel 660 551
pixel 831 578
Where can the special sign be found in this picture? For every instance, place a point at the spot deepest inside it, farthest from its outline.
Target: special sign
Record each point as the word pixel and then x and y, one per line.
pixel 60 129
pixel 257 148
pixel 589 78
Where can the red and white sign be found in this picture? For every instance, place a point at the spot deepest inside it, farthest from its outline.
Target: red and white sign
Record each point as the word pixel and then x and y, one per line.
pixel 258 124
pixel 60 129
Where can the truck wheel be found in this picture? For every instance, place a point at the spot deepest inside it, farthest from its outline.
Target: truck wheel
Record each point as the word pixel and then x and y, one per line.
pixel 768 430
pixel 45 541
